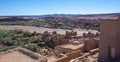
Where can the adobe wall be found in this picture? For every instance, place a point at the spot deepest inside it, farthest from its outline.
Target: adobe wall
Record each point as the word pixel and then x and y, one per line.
pixel 93 51
pixel 90 44
pixel 70 35
pixel 110 37
pixel 69 56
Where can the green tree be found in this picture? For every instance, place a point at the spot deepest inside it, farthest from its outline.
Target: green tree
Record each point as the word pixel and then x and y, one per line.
pixel 31 46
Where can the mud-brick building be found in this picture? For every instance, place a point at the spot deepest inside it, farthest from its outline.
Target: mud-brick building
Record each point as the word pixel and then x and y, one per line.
pixel 71 35
pixel 109 41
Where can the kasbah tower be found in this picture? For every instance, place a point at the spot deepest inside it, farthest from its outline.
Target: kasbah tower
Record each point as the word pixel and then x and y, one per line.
pixel 110 41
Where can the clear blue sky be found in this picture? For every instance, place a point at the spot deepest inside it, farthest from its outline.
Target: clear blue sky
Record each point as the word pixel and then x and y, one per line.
pixel 40 7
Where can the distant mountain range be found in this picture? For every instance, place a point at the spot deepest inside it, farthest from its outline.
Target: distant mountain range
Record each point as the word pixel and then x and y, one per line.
pixel 78 16
pixel 62 15
pixel 81 15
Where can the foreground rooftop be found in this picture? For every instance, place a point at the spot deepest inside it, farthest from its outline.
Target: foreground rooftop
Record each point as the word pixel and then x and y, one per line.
pixel 20 55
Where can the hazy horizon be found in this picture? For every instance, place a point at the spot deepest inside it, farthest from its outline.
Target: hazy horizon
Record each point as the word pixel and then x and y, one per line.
pixel 61 14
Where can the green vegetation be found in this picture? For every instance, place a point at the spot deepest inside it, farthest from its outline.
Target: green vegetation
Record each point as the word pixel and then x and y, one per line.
pixel 95 27
pixel 6 48
pixel 48 41
pixel 31 46
pixel 14 38
pixel 27 23
pixel 48 24
pixel 92 26
pixel 62 26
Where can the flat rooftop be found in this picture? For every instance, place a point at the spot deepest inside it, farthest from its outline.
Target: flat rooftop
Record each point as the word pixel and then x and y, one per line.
pixel 17 56
pixel 72 46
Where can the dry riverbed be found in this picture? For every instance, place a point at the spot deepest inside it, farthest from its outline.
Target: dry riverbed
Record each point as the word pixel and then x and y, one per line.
pixel 41 29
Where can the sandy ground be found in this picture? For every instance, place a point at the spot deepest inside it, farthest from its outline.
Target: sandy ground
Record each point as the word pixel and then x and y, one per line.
pixel 41 29
pixel 16 56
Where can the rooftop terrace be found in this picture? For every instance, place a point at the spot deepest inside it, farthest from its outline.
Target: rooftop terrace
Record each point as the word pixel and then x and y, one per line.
pixel 20 55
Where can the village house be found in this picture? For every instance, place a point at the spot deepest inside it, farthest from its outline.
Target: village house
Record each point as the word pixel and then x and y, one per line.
pixel 71 35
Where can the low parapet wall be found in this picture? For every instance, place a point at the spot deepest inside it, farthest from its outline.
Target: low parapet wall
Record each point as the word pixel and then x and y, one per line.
pixel 69 56
pixel 86 54
pixel 30 53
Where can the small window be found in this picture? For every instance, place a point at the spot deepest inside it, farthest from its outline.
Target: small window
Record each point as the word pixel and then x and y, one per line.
pixel 111 52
